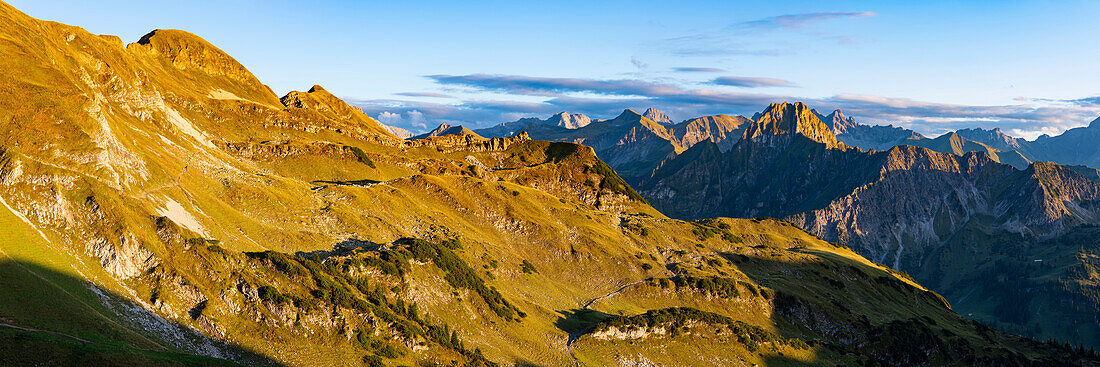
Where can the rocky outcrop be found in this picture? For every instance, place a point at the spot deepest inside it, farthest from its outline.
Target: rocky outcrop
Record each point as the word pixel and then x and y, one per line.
pixel 124 258
pixel 278 150
pixel 626 333
pixel 445 129
pixel 318 101
pixel 723 130
pixel 397 131
pixel 994 138
pixel 786 119
pixel 657 116
pixel 466 142
pixel 568 121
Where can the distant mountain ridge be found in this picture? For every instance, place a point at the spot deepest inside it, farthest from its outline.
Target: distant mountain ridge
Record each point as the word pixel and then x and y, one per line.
pixel 633 143
pixel 445 129
pixel 1076 146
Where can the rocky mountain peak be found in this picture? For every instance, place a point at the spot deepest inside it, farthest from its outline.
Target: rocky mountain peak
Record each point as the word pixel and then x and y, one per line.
pixel 190 53
pixel 790 119
pixel 446 129
pixel 568 121
pixel 839 123
pixel 628 114
pixel 317 98
pixel 994 138
pixel 657 116
pixel 627 117
pixel 1095 123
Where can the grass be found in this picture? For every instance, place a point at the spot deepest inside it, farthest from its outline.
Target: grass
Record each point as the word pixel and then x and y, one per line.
pixel 51 350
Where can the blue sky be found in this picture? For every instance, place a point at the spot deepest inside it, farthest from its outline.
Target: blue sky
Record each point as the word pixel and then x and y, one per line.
pixel 1025 66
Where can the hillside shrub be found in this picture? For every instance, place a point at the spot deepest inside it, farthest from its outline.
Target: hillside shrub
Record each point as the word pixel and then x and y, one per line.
pixel 527 267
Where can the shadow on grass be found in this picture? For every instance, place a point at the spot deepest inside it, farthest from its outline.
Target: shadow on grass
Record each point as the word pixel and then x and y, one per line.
pixel 342 248
pixel 48 318
pixel 348 183
pixel 578 321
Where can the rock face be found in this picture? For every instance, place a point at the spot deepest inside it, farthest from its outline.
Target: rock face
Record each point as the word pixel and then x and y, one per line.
pixel 444 129
pixel 1074 147
pixel 397 131
pixel 995 138
pixel 656 116
pixel 632 143
pixel 838 122
pixel 723 130
pixel 568 121
pixel 780 121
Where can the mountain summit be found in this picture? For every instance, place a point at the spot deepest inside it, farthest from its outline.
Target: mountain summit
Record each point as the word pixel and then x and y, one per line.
pixel 838 122
pixel 657 116
pixel 568 121
pixel 790 119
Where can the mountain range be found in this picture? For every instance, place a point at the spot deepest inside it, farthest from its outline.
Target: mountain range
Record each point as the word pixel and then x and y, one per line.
pixel 163 207
pixel 896 197
pixel 1074 147
pixel 632 143
pixel 912 208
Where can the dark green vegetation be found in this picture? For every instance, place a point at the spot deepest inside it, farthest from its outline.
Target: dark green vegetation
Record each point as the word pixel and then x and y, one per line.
pixel 713 285
pixel 1042 288
pixel 362 157
pixel 330 283
pixel 527 268
pixel 611 180
pixel 678 319
pixel 459 274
